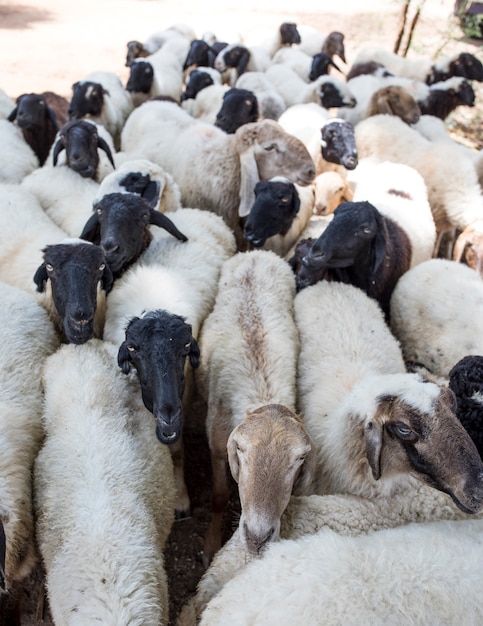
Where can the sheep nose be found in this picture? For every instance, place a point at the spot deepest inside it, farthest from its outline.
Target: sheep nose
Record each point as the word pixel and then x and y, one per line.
pixel 256 541
pixel 350 162
pixel 109 246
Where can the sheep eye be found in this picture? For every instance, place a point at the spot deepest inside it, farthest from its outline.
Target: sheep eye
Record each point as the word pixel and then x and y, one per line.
pixel 270 147
pixel 102 267
pixel 131 349
pixel 366 230
pixel 404 432
pixel 285 200
pixel 99 211
pixel 49 267
pixel 187 345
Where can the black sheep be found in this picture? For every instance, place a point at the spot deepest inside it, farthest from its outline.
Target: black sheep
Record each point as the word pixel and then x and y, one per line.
pixel 364 248
pixel 466 382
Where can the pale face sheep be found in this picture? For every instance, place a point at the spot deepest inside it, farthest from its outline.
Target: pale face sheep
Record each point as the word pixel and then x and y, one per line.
pixel 252 311
pixel 38 123
pixel 271 444
pixel 363 247
pixel 468 247
pixel 216 171
pixel 239 106
pixel 353 385
pixel 394 100
pixel 157 346
pixel 331 189
pixel 75 270
pixel 80 140
pixel 120 226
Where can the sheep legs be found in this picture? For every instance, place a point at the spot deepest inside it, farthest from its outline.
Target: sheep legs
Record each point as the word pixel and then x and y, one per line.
pixel 219 502
pixel 183 505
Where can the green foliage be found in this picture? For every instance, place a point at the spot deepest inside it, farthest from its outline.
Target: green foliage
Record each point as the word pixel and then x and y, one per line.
pixel 471 23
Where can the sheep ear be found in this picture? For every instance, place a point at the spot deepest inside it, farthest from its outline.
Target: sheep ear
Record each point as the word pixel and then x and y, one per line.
pixel 13 115
pixel 373 432
pixel 41 277
pixel 159 219
pixel 232 458
pixel 380 244
pixel 52 117
pixel 248 179
pixel 103 145
pixel 306 474
pixel 384 106
pixel 243 62
pixel 59 146
pixel 194 354
pixel 107 279
pixel 124 358
pixel 3 552
pixel 152 193
pixel 91 231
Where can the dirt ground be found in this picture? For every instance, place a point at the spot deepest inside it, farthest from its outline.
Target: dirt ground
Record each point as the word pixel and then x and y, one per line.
pixel 49 44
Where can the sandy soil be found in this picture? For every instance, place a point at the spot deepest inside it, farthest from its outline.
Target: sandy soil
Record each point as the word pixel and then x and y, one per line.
pixel 50 44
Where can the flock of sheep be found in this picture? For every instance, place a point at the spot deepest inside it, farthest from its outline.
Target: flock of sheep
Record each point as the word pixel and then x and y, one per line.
pixel 300 243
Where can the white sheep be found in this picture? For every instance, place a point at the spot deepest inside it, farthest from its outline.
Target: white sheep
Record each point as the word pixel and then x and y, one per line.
pixel 7 105
pixel 270 103
pixel 330 189
pixel 419 573
pixel 26 230
pixel 164 71
pixel 207 102
pixel 236 59
pixel 215 171
pixel 295 90
pixel 104 494
pixel 144 178
pixel 18 159
pixel 344 514
pixel 453 189
pixel 435 315
pixel 28 338
pixel 362 409
pixel 157 40
pixel 110 105
pixel 253 319
pixel 179 277
pixel 398 191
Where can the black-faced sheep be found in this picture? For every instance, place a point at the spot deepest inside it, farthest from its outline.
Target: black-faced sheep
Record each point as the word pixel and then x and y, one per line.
pixel 101 98
pixel 199 79
pixel 444 97
pixel 215 171
pixel 120 226
pixel 81 140
pixel 38 122
pixel 307 67
pixel 466 382
pixel 362 247
pixel 240 59
pixel 76 272
pixel 104 493
pixel 252 311
pixel 239 106
pixel 271 105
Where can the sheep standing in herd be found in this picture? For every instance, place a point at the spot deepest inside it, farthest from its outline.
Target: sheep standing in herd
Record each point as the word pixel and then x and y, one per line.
pixel 313 393
pixel 102 547
pixel 253 319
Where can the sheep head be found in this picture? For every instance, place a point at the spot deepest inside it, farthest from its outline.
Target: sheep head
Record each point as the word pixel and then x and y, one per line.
pixel 271 457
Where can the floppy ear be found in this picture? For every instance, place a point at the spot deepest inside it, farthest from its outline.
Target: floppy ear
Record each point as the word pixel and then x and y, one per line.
pixel 243 62
pixel 52 117
pixel 232 457
pixel 373 431
pixel 380 243
pixel 194 354
pixel 103 145
pixel 124 358
pixel 91 231
pixel 152 193
pixel 160 219
pixel 13 115
pixel 59 146
pixel 306 474
pixel 41 277
pixel 107 279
